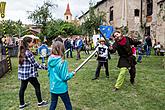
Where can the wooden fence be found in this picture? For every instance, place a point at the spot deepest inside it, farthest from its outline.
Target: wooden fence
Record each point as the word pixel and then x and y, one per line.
pixel 4 65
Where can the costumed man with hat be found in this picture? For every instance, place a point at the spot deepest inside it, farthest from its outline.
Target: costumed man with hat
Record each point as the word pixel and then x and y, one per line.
pixel 126 60
pixel 102 52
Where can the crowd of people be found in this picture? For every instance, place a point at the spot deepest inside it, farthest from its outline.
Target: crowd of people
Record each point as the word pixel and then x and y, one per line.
pixel 57 66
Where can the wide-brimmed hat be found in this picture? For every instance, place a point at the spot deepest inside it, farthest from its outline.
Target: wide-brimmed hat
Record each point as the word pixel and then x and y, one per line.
pixel 101 39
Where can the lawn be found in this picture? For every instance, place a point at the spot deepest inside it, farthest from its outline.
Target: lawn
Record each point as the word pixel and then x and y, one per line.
pixel 148 93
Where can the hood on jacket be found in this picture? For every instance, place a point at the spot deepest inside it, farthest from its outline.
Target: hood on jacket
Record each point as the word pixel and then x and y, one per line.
pixel 53 61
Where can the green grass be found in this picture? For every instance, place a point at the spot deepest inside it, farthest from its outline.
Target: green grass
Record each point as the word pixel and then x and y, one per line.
pixel 148 93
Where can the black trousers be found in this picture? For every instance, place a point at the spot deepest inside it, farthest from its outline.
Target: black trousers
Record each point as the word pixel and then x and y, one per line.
pixel 36 85
pixel 99 67
pixel 70 51
pixel 132 72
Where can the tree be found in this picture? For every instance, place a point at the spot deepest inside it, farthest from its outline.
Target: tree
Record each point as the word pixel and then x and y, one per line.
pixel 59 27
pixel 42 15
pixel 92 23
pixel 161 13
pixel 11 28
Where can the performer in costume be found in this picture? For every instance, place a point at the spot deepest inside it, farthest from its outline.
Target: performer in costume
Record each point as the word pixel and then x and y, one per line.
pixel 127 60
pixel 102 58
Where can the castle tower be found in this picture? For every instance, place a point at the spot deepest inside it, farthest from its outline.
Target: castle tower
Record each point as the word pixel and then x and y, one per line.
pixel 68 14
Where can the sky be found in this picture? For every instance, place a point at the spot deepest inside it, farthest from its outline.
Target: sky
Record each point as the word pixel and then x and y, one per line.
pixel 18 9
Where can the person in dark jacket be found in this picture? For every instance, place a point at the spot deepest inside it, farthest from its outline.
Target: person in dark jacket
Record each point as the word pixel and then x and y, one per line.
pixel 126 60
pixel 149 45
pixel 67 44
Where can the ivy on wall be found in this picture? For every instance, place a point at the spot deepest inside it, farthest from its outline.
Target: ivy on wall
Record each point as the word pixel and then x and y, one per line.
pixel 161 12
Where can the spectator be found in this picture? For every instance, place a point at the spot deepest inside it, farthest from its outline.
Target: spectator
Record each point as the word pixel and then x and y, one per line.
pixel 68 45
pixel 149 45
pixel 78 47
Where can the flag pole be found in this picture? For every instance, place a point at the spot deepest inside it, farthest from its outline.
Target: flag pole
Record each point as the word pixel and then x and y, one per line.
pixel 106 40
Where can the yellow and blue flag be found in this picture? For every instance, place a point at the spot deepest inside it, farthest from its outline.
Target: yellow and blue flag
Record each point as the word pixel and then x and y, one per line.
pixel 107 31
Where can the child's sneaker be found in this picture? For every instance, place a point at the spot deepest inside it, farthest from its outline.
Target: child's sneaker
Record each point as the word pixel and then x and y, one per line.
pixel 95 78
pixel 21 107
pixel 42 104
pixel 115 89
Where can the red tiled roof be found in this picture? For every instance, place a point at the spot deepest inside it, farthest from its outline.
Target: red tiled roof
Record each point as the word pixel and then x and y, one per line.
pixel 67 12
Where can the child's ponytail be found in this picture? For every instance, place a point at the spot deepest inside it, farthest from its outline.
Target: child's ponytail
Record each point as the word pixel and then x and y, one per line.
pixel 22 49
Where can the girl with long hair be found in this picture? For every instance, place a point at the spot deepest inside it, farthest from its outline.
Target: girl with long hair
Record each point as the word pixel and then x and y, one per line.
pixel 27 72
pixel 58 76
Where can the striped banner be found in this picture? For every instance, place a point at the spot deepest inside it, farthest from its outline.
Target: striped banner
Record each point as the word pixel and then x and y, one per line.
pixel 2 12
pixel 2 9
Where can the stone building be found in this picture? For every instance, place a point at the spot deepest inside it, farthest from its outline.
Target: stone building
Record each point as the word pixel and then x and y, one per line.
pixel 160 27
pixel 140 16
pixel 119 13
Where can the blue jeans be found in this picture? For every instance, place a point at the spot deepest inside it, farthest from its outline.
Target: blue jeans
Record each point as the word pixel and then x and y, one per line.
pixel 43 60
pixel 148 52
pixel 65 98
pixel 139 58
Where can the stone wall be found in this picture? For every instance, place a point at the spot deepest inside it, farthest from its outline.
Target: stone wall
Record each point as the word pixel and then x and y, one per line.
pixel 160 29
pixel 4 65
pixel 157 26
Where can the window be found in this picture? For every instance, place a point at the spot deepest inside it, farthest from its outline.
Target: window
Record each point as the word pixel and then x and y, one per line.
pixel 111 13
pixel 147 30
pixel 136 12
pixel 66 17
pixel 161 6
pixel 149 7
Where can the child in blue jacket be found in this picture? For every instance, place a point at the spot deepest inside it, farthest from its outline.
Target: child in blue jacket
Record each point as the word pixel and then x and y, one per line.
pixel 58 75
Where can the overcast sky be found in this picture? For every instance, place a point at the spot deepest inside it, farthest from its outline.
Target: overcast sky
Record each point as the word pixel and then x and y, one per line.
pixel 17 9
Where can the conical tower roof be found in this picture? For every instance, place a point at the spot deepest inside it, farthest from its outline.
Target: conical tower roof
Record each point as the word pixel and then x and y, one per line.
pixel 67 12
